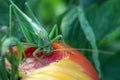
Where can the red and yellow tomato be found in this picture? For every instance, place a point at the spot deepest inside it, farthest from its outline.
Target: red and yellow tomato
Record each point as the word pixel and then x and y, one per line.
pixel 64 63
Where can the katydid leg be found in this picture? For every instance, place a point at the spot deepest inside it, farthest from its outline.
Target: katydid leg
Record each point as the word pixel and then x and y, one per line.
pixel 53 31
pixel 34 54
pixel 61 37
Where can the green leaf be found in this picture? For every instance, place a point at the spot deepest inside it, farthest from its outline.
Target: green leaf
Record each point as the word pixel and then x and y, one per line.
pixel 111 67
pixel 78 33
pixel 104 18
pixel 3 73
pixel 7 43
pixel 3 12
pixel 71 30
pixel 90 36
pixel 13 73
pixel 110 37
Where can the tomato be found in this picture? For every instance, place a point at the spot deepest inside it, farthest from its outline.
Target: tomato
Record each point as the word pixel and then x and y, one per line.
pixel 64 63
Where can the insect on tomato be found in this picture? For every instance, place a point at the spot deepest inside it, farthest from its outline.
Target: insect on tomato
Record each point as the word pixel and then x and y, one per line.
pixel 59 65
pixel 59 61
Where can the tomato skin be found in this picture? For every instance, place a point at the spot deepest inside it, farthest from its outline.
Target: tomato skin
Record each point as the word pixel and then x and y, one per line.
pixel 78 58
pixel 64 69
pixel 58 58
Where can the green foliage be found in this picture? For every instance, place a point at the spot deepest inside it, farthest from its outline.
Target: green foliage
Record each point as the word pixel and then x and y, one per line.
pixel 105 16
pixel 97 30
pixel 111 67
pixel 13 73
pixel 90 37
pixel 68 27
pixel 3 72
pixel 104 20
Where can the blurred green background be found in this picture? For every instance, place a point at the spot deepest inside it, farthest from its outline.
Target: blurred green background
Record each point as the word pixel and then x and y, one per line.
pixel 103 16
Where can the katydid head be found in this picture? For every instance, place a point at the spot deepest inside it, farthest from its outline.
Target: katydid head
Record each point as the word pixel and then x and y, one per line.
pixel 47 51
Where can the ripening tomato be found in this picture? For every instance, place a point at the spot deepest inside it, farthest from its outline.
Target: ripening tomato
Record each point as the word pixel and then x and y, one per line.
pixel 64 63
